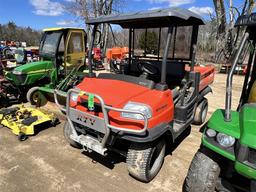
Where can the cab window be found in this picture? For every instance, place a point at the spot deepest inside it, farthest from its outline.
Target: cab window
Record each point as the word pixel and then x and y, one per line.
pixel 75 43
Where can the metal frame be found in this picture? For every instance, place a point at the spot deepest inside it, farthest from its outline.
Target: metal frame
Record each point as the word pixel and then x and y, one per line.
pixel 105 110
pixel 230 78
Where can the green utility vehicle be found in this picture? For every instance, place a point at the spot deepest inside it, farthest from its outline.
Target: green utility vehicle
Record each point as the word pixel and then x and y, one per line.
pixel 62 53
pixel 226 160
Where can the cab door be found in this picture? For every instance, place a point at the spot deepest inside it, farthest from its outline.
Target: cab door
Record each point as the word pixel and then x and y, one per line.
pixel 75 49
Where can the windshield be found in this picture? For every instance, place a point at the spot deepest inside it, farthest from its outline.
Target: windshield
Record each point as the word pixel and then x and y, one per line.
pixel 50 43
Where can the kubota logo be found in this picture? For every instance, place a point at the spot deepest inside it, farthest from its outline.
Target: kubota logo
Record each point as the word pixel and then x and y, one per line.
pixel 86 119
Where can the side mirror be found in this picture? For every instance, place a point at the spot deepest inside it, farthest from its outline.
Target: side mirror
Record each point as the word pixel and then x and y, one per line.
pixel 97 37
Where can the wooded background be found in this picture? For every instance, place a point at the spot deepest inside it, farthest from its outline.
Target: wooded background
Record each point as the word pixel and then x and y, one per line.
pixel 218 39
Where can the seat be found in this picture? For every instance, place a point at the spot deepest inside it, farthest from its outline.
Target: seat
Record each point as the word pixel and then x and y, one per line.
pixel 175 72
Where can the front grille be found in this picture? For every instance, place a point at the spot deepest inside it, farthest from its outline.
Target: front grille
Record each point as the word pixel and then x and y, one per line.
pixel 252 156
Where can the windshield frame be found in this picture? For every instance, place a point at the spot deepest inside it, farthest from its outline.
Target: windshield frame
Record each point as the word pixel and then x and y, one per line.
pixel 42 43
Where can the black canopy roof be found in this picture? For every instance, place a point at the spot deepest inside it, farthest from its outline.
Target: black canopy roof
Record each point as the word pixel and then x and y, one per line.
pixel 246 20
pixel 151 19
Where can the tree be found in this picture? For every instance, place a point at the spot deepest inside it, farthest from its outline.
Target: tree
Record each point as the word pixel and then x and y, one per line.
pixel 85 9
pixel 148 41
pixel 227 36
pixel 11 32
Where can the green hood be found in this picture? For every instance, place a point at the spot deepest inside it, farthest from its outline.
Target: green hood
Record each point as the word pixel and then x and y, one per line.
pixel 34 67
pixel 30 73
pixel 218 123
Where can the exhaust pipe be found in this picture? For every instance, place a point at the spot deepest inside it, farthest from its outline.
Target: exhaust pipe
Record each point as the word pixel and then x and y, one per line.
pixel 230 79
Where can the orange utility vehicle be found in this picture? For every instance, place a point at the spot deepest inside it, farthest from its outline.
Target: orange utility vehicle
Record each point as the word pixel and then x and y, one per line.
pixel 142 111
pixel 116 57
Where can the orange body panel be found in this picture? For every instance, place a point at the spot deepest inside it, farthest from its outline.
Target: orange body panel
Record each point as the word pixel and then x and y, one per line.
pixel 207 75
pixel 118 93
pixel 117 53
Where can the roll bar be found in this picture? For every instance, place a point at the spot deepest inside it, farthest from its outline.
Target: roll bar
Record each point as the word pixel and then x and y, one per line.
pixel 230 78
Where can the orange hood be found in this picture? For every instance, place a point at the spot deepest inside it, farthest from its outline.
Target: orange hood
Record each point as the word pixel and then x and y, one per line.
pixel 115 93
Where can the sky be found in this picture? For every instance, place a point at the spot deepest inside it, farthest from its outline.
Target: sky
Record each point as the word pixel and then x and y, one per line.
pixel 40 14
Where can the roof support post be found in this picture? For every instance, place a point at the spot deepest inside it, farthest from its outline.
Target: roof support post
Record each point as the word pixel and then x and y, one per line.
pixel 91 74
pixel 164 62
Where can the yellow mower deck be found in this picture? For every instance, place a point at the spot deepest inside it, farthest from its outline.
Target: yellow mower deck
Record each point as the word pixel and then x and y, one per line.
pixel 23 120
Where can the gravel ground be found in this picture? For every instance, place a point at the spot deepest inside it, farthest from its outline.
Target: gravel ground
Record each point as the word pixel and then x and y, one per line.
pixel 45 162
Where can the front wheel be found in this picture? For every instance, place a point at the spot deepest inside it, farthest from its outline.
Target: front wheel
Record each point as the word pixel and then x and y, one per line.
pixel 144 161
pixel 67 131
pixel 203 174
pixel 201 112
pixel 35 97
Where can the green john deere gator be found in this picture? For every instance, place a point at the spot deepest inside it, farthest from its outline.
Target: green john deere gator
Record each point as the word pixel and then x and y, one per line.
pixel 62 54
pixel 226 160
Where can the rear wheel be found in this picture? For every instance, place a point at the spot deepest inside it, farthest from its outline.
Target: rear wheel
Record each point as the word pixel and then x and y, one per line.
pixel 35 97
pixel 145 161
pixel 203 174
pixel 201 112
pixel 67 131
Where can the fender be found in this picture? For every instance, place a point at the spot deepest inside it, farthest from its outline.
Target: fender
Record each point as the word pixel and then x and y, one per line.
pixel 204 92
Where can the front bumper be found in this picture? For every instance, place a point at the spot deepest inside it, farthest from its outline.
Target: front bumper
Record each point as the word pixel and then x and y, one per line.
pixel 242 156
pixel 97 124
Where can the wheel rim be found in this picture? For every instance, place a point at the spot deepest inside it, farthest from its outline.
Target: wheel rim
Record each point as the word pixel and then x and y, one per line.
pixel 156 159
pixel 35 97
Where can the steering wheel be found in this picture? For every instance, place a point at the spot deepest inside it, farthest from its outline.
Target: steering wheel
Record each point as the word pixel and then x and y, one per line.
pixel 147 68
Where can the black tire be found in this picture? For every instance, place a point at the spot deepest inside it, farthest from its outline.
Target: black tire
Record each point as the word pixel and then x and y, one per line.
pixel 8 53
pixel 22 136
pixel 55 122
pixel 35 97
pixel 203 174
pixel 201 112
pixel 67 132
pixel 144 161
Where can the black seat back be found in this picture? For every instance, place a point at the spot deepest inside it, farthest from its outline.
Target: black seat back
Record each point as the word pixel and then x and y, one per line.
pixel 175 71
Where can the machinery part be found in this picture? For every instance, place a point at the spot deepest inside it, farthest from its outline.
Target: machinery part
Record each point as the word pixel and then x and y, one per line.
pixel 20 56
pixel 253 186
pixel 252 96
pixel 22 136
pixel 7 52
pixel 24 120
pixel 224 186
pixel 9 93
pixel 201 112
pixel 203 174
pixel 67 131
pixel 148 68
pixel 35 97
pixel 144 161
pixel 55 122
pixel 29 120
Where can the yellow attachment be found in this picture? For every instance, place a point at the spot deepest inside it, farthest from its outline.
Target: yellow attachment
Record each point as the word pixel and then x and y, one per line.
pixel 16 124
pixel 252 96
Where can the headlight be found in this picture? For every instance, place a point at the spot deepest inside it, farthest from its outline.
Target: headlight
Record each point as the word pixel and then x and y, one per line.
pixel 18 72
pixel 225 140
pixel 211 133
pixel 73 97
pixel 136 107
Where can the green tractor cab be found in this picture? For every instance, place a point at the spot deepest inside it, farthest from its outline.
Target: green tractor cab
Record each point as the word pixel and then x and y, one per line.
pixel 61 51
pixel 226 160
